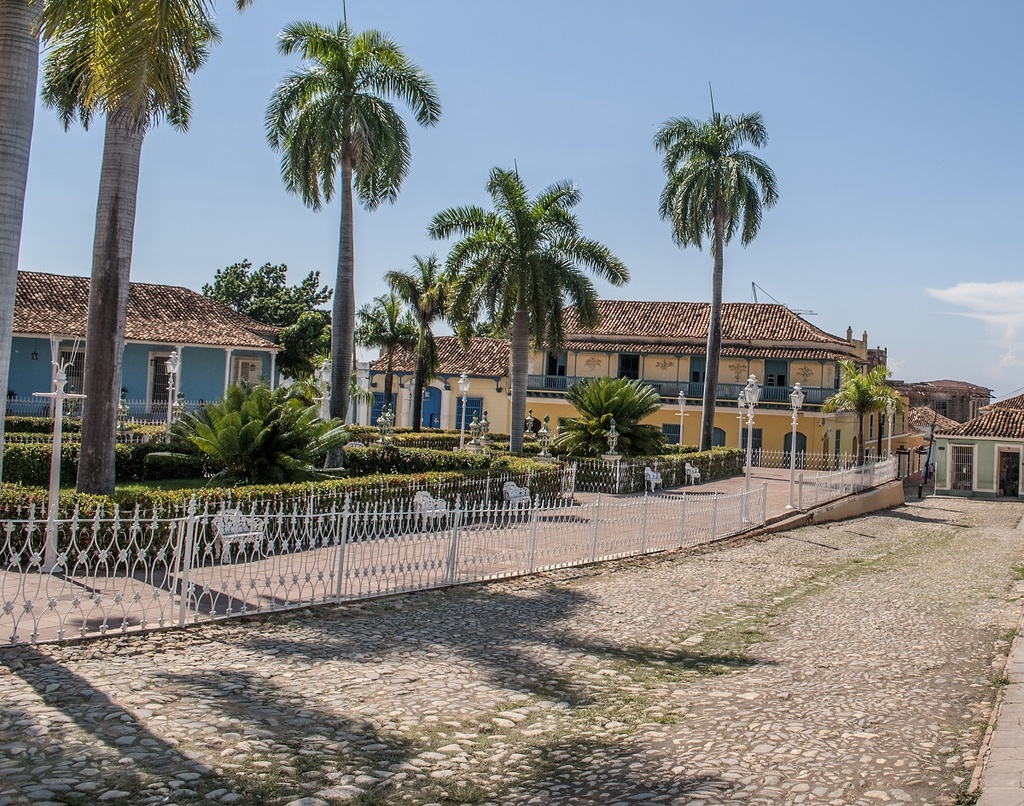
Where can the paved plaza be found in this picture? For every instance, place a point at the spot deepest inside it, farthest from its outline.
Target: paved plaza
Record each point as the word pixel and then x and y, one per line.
pixel 853 663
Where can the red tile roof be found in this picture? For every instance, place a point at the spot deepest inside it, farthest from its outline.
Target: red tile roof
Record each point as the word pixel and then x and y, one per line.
pixel 742 322
pixel 1001 423
pixel 482 357
pixel 53 303
pixel 1010 403
pixel 922 417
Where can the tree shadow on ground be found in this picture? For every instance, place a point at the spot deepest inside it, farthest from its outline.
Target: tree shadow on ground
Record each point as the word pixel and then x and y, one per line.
pixel 904 515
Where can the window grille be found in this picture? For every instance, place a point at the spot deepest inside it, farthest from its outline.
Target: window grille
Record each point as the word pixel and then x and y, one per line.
pixel 962 469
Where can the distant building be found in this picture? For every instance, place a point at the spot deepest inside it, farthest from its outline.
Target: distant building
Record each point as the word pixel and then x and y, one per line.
pixel 982 457
pixel 957 400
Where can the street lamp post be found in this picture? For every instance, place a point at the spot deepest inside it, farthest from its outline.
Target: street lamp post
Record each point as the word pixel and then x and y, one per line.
pixel 889 422
pixel 796 400
pixel 464 388
pixel 324 376
pixel 682 415
pixel 173 365
pixel 739 405
pixel 750 395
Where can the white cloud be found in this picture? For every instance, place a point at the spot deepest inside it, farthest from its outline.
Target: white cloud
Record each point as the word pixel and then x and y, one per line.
pixel 1000 306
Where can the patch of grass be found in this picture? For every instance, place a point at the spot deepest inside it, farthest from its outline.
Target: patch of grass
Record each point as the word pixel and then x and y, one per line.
pixel 373 797
pixel 1017 573
pixel 458 793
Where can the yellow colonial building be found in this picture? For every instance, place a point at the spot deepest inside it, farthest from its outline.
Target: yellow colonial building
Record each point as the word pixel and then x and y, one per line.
pixel 664 345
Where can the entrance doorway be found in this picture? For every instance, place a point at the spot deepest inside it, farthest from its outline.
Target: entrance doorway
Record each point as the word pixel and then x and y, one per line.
pixel 1009 473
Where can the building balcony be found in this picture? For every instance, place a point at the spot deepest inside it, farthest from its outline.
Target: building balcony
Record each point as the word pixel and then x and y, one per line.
pixel 727 392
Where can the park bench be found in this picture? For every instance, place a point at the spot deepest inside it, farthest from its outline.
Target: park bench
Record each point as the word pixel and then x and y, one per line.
pixel 652 477
pixel 692 474
pixel 515 495
pixel 428 509
pixel 234 527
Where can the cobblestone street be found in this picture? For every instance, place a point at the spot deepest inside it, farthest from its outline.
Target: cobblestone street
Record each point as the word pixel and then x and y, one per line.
pixel 851 663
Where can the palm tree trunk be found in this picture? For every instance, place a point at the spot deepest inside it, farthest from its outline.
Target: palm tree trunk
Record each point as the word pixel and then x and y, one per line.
pixel 19 67
pixel 389 377
pixel 108 301
pixel 714 346
pixel 520 361
pixel 860 438
pixel 344 312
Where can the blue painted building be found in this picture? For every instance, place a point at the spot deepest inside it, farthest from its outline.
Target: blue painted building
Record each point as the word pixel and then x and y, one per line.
pixel 216 345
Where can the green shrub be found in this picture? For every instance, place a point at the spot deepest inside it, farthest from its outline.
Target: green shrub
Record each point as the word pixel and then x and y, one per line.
pixel 40 425
pixel 160 465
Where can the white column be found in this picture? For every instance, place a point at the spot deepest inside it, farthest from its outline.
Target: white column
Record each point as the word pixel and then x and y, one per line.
pixel 446 408
pixel 227 368
pixel 407 403
pixel 273 362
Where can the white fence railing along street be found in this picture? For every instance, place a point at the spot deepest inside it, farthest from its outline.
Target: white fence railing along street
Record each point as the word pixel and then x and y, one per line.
pixel 122 572
pixel 820 488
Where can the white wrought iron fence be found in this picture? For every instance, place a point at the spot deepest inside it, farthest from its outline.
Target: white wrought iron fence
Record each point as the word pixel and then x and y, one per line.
pixel 127 572
pixel 820 488
pixel 804 461
pixel 627 475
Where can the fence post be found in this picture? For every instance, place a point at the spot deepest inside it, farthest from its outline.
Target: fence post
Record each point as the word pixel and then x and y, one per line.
pixel 714 516
pixel 643 526
pixel 342 540
pixel 800 494
pixel 455 518
pixel 533 538
pixel 186 560
pixel 597 523
pixel 682 522
pixel 764 502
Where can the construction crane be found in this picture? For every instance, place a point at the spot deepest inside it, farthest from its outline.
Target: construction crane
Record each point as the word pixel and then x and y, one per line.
pixel 803 312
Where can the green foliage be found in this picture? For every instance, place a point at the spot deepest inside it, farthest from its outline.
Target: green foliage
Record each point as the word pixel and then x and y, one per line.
pixel 863 394
pixel 167 465
pixel 599 401
pixel 259 436
pixel 29 463
pixel 39 425
pixel 303 343
pixel 386 325
pixel 264 294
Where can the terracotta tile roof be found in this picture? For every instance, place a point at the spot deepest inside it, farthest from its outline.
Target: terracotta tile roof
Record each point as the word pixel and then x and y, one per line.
pixel 482 357
pixel 1010 403
pixel 922 417
pixel 688 322
pixel 999 423
pixel 729 351
pixel 53 303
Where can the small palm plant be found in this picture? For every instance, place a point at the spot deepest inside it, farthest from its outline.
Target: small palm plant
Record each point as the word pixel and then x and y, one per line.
pixel 599 401
pixel 261 436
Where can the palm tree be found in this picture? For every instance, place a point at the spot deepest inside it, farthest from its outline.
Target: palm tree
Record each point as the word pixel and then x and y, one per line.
pixel 386 325
pixel 519 262
pixel 85 74
pixel 334 115
pixel 863 394
pixel 601 400
pixel 19 65
pixel 425 291
pixel 714 187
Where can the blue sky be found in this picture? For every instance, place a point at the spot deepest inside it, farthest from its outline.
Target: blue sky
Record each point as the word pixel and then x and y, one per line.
pixel 894 130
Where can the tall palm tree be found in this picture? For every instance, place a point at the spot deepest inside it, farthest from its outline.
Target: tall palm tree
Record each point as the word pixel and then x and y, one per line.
pixel 19 65
pixel 520 262
pixel 714 188
pixel 388 326
pixel 425 291
pixel 334 114
pixel 85 74
pixel 863 394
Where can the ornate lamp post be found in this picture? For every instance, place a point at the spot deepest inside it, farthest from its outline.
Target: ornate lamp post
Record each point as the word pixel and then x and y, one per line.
pixel 889 423
pixel 682 415
pixel 122 412
pixel 485 430
pixel 613 438
pixel 464 388
pixel 173 365
pixel 739 405
pixel 796 400
pixel 750 395
pixel 58 395
pixel 474 435
pixel 386 426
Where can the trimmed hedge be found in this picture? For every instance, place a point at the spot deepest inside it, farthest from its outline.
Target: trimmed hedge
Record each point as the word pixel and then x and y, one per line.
pixel 40 425
pixel 28 463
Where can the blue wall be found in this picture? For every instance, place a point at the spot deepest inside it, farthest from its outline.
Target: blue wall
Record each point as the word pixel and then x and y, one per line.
pixel 28 376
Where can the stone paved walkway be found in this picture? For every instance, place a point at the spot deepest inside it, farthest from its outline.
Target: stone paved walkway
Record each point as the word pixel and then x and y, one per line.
pixel 853 663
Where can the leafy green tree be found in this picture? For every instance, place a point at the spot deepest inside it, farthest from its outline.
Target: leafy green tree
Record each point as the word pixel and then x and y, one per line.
pixel 714 188
pixel 425 291
pixel 388 326
pixel 334 115
pixel 264 294
pixel 520 262
pixel 97 47
pixel 863 394
pixel 599 401
pixel 303 342
pixel 260 436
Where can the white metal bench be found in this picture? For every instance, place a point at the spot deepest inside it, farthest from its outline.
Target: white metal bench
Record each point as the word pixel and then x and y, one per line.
pixel 515 495
pixel 652 476
pixel 427 508
pixel 234 527
pixel 692 474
